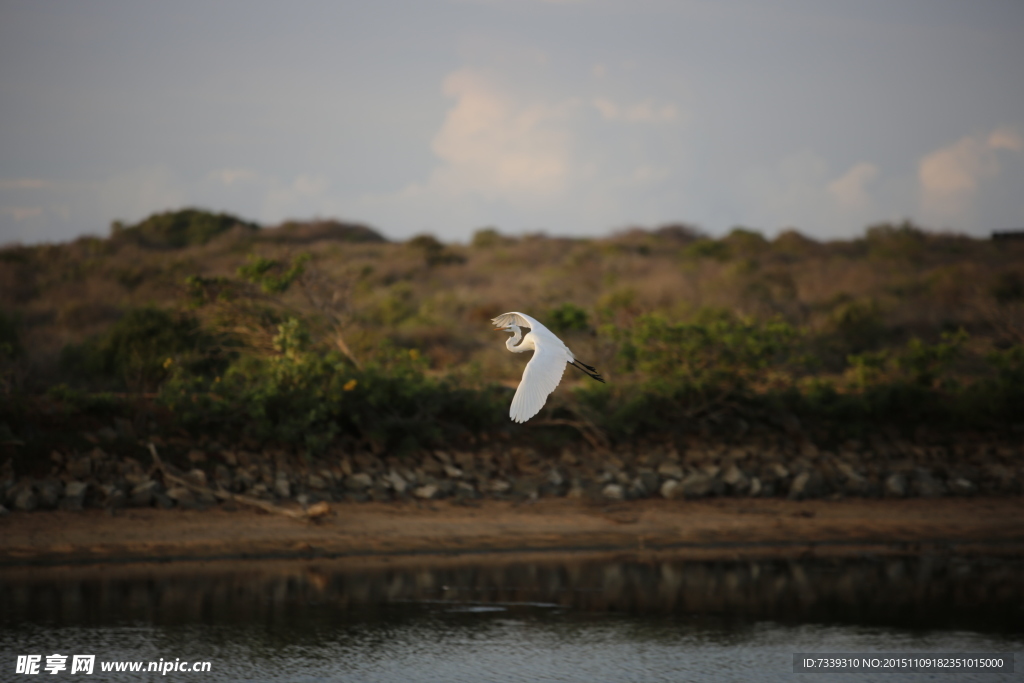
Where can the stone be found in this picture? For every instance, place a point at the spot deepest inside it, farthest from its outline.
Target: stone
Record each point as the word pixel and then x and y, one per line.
pixel 896 485
pixel 179 494
pixel 80 467
pixel 163 501
pixel 526 488
pixel 798 487
pixel 57 457
pixel 734 477
pixel 779 470
pixel 961 486
pixel 196 456
pixel 25 499
pixel 397 482
pixel 230 458
pixel 3 511
pixel 555 477
pixel 124 428
pixel 282 487
pixel 425 492
pixel 453 472
pixel 49 493
pixel 107 434
pixel 755 487
pixel 670 489
pixel 670 470
pixel 315 481
pixel 196 476
pixel 465 491
pixel 142 494
pixel 613 492
pixel 696 485
pixel 358 482
pixel 500 486
pixel 926 485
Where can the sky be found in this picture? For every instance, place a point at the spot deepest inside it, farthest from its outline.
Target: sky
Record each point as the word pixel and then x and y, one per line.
pixel 571 117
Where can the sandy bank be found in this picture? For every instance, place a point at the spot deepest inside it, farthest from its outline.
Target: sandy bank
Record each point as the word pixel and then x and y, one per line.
pixel 726 528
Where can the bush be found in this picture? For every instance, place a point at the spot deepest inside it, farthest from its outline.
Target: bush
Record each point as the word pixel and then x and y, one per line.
pixel 139 350
pixel 182 228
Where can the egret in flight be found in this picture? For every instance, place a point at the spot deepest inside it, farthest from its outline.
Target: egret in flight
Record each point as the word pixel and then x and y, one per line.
pixel 544 371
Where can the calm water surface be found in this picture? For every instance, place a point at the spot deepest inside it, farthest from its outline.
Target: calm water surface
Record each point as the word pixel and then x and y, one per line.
pixel 581 621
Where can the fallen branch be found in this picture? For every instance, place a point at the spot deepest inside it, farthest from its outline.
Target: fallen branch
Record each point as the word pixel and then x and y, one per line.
pixel 314 511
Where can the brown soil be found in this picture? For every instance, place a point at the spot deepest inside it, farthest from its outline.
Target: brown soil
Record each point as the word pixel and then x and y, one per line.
pixel 718 528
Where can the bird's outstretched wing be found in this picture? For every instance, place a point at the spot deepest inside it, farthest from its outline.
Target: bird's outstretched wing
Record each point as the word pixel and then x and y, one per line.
pixel 542 375
pixel 513 318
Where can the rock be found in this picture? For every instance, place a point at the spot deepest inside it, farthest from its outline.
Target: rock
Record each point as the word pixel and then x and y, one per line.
pixel 124 428
pixel 196 476
pixel 179 494
pixel 755 487
pixel 397 482
pixel 464 490
pixel 896 485
pixel 80 467
pixel 670 489
pixel 426 492
pixel 141 495
pixel 163 501
pixel 315 481
pixel 500 486
pixel 106 434
pixel 282 487
pixel 799 486
pixel 613 492
pixel 737 481
pixel 807 484
pixel 3 511
pixel 222 475
pixel 555 477
pixel 526 488
pixel 25 499
pixel 926 485
pixel 670 470
pixel 50 491
pixel 696 485
pixel 196 456
pixel 74 496
pixel 453 472
pixel 962 487
pixel 57 457
pixel 358 482
pixel 230 458
pixel 779 470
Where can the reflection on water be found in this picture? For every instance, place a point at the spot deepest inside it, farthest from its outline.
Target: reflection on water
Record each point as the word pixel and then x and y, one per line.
pixel 521 621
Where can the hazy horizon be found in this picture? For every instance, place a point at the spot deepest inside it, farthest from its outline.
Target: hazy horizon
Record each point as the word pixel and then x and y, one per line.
pixel 568 117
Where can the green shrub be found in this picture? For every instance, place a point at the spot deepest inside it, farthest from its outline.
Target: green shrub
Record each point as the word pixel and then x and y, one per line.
pixel 175 229
pixel 568 318
pixel 138 351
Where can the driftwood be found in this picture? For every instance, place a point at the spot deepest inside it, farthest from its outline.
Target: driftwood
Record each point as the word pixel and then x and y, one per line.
pixel 314 511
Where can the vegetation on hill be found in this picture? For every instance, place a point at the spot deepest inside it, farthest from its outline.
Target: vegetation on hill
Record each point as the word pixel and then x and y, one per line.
pixel 324 334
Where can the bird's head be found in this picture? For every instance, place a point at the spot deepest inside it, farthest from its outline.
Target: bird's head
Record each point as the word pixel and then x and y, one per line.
pixel 512 329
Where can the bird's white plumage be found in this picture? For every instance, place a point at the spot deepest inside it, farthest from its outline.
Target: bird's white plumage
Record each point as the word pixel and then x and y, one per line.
pixel 545 369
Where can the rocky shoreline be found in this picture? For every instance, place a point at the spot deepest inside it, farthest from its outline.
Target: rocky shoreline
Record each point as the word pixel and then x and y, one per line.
pixel 191 473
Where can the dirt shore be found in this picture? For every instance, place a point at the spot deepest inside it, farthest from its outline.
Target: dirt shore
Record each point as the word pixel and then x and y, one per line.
pixel 717 528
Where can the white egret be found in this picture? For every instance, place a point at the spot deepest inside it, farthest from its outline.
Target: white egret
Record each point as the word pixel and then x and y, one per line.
pixel 544 371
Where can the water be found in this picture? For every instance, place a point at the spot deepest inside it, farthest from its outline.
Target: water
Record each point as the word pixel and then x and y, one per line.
pixel 569 621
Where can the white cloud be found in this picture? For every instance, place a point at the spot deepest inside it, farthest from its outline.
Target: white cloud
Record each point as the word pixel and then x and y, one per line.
pixel 641 112
pixel 850 190
pixel 950 177
pixel 20 213
pixel 496 147
pixel 233 176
